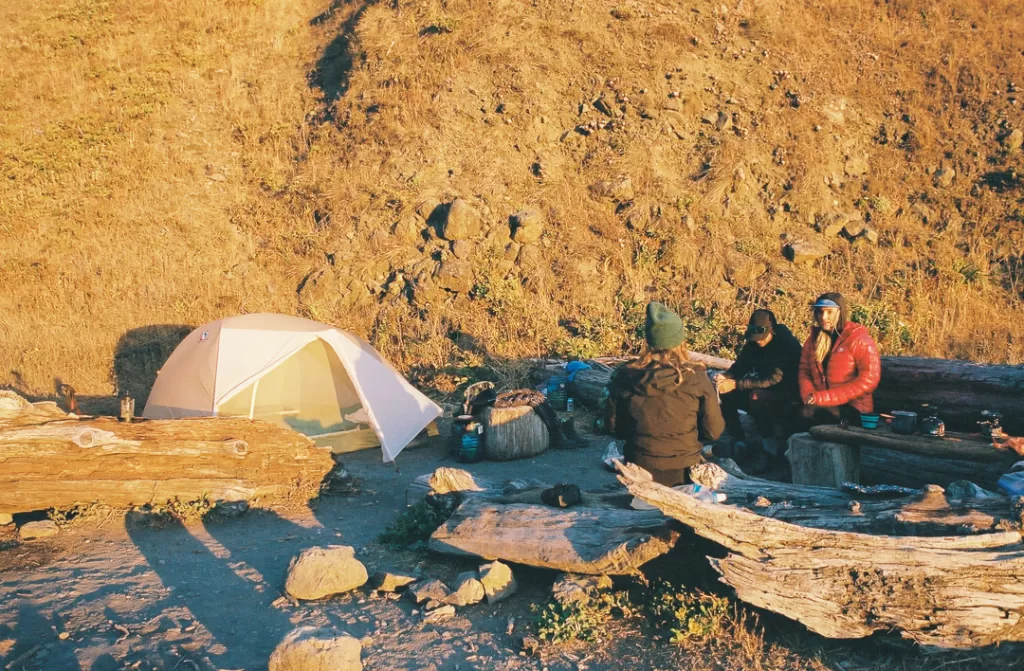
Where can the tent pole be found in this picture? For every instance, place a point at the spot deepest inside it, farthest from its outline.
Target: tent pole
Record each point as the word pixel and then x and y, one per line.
pixel 252 401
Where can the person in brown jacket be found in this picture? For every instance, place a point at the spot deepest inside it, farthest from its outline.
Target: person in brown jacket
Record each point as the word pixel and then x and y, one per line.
pixel 662 404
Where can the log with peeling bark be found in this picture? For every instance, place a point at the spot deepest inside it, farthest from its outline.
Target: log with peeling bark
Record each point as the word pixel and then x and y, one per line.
pixel 960 389
pixel 582 539
pixel 57 463
pixel 943 592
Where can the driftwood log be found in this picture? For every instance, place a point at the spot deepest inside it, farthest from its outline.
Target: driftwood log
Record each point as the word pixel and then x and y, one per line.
pixel 56 463
pixel 951 446
pixel 943 592
pixel 883 466
pixel 960 389
pixel 508 521
pixel 930 513
pixel 581 539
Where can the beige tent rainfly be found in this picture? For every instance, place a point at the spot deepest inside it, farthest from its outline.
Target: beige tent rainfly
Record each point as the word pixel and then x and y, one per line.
pixel 311 377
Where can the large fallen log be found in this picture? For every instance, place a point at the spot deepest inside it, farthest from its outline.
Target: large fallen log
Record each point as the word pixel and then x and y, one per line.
pixel 944 592
pixel 581 539
pixel 951 446
pixel 57 464
pixel 508 521
pixel 882 466
pixel 960 389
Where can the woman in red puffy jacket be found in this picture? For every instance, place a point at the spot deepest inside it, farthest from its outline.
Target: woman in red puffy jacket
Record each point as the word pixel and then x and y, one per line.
pixel 839 366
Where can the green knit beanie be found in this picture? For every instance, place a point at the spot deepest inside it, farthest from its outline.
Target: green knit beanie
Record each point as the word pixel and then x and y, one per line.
pixel 664 328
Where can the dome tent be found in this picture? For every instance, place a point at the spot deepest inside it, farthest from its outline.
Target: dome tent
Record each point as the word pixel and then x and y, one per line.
pixel 311 377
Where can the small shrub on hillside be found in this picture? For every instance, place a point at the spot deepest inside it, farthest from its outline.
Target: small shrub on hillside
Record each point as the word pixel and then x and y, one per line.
pixel 891 332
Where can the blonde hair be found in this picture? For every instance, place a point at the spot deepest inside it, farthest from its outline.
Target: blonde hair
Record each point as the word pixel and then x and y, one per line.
pixel 677 358
pixel 823 346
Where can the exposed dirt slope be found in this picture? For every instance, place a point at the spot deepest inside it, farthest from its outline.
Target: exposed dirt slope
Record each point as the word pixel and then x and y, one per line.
pixel 169 163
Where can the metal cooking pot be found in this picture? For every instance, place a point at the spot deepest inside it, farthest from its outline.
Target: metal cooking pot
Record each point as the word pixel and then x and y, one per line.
pixel 904 422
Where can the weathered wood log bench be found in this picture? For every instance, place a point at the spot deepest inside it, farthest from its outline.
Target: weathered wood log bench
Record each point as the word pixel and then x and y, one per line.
pixel 912 461
pixel 49 459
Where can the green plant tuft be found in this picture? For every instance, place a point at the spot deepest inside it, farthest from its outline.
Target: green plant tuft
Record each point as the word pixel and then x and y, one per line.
pixel 416 523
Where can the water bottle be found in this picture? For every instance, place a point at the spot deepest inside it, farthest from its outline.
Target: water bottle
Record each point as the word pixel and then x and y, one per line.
pixel 702 493
pixel 568 404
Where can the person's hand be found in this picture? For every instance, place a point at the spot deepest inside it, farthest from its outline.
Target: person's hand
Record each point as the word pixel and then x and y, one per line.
pixel 807 411
pixel 726 385
pixel 809 400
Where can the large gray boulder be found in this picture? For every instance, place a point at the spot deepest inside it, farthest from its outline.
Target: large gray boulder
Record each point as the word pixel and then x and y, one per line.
pixel 311 649
pixel 319 572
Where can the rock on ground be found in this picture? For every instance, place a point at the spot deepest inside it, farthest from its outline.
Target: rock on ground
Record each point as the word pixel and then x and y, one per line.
pixel 619 189
pixel 498 581
pixel 36 530
pixel 571 589
pixel 1014 140
pixel 5 519
pixel 386 581
pixel 312 649
pixel 463 222
pixel 455 275
pixel 429 589
pixel 530 257
pixel 322 571
pixel 804 251
pixel 468 590
pixel 439 614
pixel 527 226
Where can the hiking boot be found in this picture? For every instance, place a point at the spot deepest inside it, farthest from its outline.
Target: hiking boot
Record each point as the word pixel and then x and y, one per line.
pixel 561 495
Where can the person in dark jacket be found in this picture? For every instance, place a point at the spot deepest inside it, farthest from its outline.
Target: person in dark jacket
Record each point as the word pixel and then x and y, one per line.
pixel 662 404
pixel 762 382
pixel 839 367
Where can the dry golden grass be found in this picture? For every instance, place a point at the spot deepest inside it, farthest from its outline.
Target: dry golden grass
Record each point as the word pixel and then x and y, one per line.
pixel 169 163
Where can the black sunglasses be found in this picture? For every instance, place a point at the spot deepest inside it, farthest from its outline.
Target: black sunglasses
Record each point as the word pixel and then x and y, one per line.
pixel 757 330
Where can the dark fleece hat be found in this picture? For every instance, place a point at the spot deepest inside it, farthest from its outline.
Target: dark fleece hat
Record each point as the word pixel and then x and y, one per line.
pixel 664 328
pixel 761 326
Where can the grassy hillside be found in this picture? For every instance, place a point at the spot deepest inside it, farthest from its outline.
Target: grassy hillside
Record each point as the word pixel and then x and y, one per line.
pixel 163 164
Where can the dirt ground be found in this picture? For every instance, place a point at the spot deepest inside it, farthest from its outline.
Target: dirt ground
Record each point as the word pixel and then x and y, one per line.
pixel 110 593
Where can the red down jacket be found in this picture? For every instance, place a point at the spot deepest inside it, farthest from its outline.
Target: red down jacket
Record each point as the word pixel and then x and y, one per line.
pixel 852 372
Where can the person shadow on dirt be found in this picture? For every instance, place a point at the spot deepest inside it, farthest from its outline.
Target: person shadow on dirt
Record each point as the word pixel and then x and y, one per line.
pixel 226 594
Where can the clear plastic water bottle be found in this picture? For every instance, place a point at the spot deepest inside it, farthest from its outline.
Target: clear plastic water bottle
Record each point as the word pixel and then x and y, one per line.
pixel 702 493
